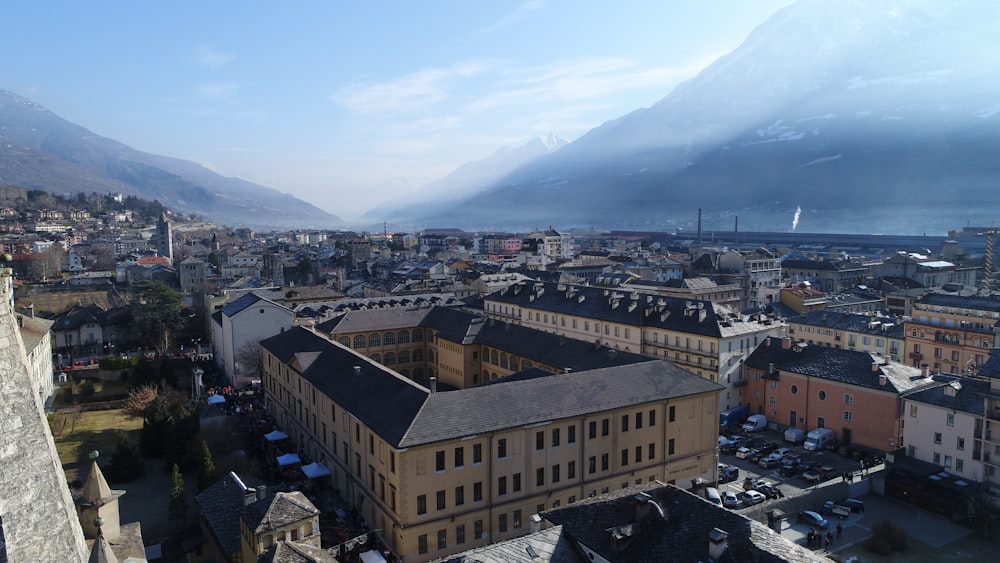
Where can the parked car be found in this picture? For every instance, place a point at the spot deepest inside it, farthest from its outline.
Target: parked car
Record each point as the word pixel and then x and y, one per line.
pixel 854 504
pixel 745 452
pixel 813 519
pixel 728 473
pixel 769 462
pixel 713 496
pixel 817 474
pixel 755 423
pixel 730 500
pixel 789 470
pixel 831 508
pixel 752 497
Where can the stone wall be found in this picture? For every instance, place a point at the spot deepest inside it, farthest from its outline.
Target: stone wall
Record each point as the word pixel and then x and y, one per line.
pixel 37 513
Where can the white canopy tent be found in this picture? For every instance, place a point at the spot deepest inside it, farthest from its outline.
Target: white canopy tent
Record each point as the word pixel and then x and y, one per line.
pixel 372 557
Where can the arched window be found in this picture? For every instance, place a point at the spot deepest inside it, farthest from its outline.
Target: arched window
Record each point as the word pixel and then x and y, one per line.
pixel 525 365
pixel 374 340
pixel 494 376
pixel 494 357
pixel 418 373
pixel 404 337
pixel 503 360
pixel 418 355
pixel 390 359
pixel 345 341
pixel 418 335
pixel 486 376
pixel 359 341
pixel 404 356
pixel 388 338
pixel 377 358
pixel 404 372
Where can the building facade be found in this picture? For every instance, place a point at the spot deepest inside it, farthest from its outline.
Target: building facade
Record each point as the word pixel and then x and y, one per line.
pixel 951 333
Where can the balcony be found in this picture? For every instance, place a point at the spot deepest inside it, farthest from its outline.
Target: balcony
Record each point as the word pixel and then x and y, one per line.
pixel 916 356
pixel 740 383
pixel 993 414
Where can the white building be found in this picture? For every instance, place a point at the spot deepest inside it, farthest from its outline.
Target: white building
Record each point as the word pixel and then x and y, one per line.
pixel 249 319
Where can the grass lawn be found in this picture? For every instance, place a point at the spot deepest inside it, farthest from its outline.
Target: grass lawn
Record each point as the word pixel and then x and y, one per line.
pixel 102 391
pixel 97 428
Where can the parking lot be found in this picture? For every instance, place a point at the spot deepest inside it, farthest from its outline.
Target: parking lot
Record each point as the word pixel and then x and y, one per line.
pixel 790 485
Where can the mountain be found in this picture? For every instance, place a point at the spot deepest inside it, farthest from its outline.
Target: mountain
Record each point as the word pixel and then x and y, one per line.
pixel 465 181
pixel 872 115
pixel 40 150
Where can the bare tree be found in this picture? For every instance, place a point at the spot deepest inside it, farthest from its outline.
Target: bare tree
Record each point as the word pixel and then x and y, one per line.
pixel 250 360
pixel 138 399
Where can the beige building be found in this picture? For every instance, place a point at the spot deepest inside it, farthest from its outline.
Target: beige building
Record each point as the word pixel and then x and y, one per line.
pixel 952 333
pixel 881 336
pixel 441 472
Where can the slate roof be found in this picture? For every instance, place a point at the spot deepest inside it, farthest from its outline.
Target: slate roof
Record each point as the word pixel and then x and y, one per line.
pixel 965 395
pixel 235 307
pixel 682 536
pixel 464 412
pixel 33 330
pixel 548 546
pixel 374 320
pixel 835 364
pixel 647 310
pixel 971 302
pixel 851 322
pixel 221 506
pixel 992 366
pixel 277 511
pixel 291 552
pixel 80 315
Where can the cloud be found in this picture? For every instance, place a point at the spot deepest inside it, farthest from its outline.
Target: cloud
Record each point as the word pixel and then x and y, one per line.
pixel 217 90
pixel 517 14
pixel 206 55
pixel 410 93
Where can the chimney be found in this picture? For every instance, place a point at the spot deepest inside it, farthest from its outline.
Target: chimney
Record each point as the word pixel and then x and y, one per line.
pixel 770 368
pixel 536 524
pixel 874 367
pixel 717 544
pixel 786 343
pixel 357 370
pixel 642 506
pixel 767 342
pixel 612 353
pixel 881 379
pixel 434 384
pixel 249 497
pixel 262 492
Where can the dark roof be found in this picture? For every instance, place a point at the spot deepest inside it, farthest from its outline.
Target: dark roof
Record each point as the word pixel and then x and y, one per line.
pixel 953 392
pixel 234 307
pixel 835 364
pixel 851 322
pixel 291 552
pixel 80 315
pixel 647 310
pixel 681 536
pixel 280 510
pixel 547 546
pixel 489 408
pixel 972 302
pixel 992 366
pixel 221 506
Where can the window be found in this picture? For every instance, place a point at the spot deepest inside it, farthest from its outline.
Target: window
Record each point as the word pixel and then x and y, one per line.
pixel 937 458
pixel 516 485
pixel 501 485
pixel 913 410
pixel 848 399
pixel 848 415
pixel 652 417
pixel 555 437
pixel 820 422
pixel 773 400
pixel 571 434
pixel 605 427
pixel 592 465
pixel 651 451
pixel 959 465
pixel 592 429
pixel 442 539
pixel 374 340
pixel 555 474
pixel 439 460
pixel 392 498
pixel 422 543
pixel 947 462
pixel 403 337
pixel 517 518
pixel 359 341
pixel 937 437
pixel 477 528
pixel 502 448
pixel 673 414
pixel 388 338
pixel 539 440
pixel 540 477
pixel 670 446
pixel 502 523
pixel 624 423
pixel 571 470
pixel 961 444
pixel 459 457
pixel 951 419
pixel 822 395
pixel 638 454
pixel 440 500
pixel 460 534
pixel 477 491
pixel 459 496
pixel 604 462
pixel 421 505
pixel 477 453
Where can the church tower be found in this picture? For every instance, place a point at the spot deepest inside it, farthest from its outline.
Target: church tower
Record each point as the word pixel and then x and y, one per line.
pixel 164 238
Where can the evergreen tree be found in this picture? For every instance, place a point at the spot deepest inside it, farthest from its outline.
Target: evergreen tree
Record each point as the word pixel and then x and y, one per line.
pixel 126 464
pixel 207 474
pixel 155 428
pixel 177 511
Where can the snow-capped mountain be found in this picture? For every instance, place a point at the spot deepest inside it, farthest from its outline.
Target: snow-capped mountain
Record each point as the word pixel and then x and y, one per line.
pixel 871 114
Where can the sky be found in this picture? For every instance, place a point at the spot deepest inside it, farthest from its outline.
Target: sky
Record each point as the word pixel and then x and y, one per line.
pixel 347 104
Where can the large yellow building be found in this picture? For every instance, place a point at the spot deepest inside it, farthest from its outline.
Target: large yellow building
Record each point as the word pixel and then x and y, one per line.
pixel 951 333
pixel 440 472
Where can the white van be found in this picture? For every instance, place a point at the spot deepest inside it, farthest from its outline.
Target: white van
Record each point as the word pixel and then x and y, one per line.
pixel 712 494
pixel 754 423
pixel 818 439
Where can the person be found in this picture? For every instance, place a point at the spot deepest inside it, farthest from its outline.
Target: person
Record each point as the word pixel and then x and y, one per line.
pixel 829 540
pixel 811 536
pixel 840 530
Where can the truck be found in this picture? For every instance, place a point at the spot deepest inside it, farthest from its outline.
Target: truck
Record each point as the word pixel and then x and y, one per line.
pixel 733 416
pixel 755 423
pixel 795 435
pixel 818 439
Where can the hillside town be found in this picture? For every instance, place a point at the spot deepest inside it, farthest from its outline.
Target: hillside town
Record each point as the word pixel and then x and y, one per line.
pixel 444 394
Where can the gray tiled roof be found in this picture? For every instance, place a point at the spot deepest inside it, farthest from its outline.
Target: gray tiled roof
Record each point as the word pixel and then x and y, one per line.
pixel 465 412
pixel 548 546
pixel 972 302
pixel 374 320
pixel 221 506
pixel 835 364
pixel 280 510
pixel 851 322
pixel 290 552
pixel 234 307
pixel 682 536
pixel 965 394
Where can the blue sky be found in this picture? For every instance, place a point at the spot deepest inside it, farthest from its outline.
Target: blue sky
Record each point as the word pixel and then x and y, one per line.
pixel 348 104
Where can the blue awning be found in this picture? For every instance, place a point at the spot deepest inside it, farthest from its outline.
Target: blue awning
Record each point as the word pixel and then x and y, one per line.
pixel 288 459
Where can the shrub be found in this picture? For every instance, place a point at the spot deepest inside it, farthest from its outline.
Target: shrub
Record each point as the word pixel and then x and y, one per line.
pixel 878 545
pixel 893 534
pixel 87 389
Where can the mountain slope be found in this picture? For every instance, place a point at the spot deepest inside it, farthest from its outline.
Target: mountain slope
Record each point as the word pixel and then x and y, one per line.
pixel 872 114
pixel 40 150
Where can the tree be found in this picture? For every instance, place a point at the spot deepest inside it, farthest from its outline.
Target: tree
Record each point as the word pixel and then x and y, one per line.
pixel 206 475
pixel 156 313
pixel 126 464
pixel 155 428
pixel 177 510
pixel 250 360
pixel 138 400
